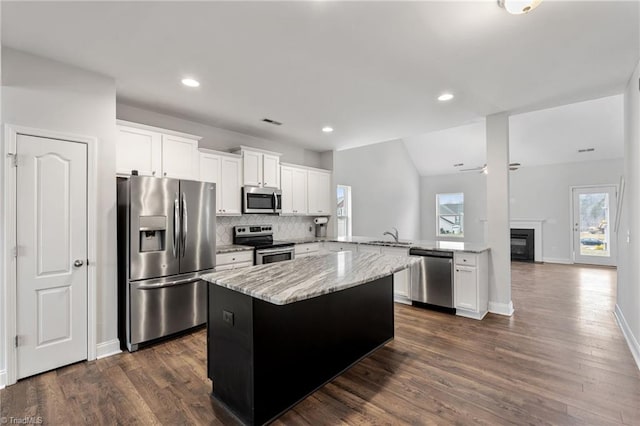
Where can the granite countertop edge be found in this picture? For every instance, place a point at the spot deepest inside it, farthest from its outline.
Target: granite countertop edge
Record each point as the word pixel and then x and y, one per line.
pixel 425 245
pixel 231 248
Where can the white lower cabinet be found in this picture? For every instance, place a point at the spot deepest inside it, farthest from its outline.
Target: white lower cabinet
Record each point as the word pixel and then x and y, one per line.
pixel 402 279
pixel 306 250
pixel 234 260
pixel 471 284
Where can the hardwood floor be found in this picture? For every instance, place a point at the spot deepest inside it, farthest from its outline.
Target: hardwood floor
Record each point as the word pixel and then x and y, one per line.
pixel 561 359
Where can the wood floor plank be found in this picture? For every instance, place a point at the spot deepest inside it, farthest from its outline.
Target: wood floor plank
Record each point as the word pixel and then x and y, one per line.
pixel 560 359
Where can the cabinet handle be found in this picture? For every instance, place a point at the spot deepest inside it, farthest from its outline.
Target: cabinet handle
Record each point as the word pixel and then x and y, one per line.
pixel 153 173
pixel 265 183
pixel 165 173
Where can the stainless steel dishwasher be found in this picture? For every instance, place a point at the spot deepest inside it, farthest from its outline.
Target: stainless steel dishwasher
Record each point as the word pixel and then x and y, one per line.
pixel 434 286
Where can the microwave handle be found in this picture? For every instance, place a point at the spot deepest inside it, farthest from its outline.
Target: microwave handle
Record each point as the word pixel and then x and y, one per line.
pixel 275 201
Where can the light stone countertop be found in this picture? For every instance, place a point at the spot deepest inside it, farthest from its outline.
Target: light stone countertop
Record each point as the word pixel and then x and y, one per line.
pixel 427 245
pixel 230 248
pixel 286 282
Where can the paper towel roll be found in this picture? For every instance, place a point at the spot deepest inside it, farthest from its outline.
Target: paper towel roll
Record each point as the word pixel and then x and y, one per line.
pixel 320 220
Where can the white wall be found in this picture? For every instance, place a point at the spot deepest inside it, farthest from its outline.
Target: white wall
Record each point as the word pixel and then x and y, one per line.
pixel 385 188
pixel 542 193
pixel 474 187
pixel 628 300
pixel 217 138
pixel 49 95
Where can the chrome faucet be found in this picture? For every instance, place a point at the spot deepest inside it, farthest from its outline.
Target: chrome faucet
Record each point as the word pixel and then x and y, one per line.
pixel 395 236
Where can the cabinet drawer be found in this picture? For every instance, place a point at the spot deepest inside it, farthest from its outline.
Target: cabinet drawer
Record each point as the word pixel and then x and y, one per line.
pixel 301 249
pixel 234 257
pixel 466 259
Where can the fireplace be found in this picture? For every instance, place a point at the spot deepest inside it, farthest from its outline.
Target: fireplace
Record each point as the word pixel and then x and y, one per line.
pixel 522 245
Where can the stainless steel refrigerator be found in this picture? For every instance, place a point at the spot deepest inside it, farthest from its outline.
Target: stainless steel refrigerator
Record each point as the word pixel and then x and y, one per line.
pixel 166 241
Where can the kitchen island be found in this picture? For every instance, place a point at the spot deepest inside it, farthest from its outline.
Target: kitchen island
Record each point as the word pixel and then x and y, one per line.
pixel 278 332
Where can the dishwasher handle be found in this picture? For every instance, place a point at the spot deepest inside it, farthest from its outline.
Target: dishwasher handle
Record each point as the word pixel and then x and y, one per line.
pixel 431 253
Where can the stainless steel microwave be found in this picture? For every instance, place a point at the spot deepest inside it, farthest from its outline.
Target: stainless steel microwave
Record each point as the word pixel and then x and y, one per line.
pixel 261 200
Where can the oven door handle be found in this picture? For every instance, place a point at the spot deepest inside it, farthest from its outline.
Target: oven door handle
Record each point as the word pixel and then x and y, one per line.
pixel 276 250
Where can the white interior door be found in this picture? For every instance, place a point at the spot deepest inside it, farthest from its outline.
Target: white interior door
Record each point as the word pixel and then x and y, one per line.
pixel 51 233
pixel 593 211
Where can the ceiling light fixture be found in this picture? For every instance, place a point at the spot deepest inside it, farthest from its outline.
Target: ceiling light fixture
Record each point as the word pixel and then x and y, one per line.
pixel 190 82
pixel 518 7
pixel 327 129
pixel 445 97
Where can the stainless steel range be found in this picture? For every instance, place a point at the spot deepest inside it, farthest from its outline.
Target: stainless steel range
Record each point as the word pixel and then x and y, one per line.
pixel 261 237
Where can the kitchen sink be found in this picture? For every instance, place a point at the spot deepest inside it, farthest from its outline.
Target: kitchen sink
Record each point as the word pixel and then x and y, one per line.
pixel 401 243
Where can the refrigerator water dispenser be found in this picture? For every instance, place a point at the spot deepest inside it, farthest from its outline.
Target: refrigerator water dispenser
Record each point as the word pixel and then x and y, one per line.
pixel 153 233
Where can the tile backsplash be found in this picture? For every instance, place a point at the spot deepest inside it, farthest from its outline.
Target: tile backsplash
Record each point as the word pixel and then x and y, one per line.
pixel 284 227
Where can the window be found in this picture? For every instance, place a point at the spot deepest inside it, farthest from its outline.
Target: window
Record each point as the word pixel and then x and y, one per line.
pixel 450 213
pixel 343 211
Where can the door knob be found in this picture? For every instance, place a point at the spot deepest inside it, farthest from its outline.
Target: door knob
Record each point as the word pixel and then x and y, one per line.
pixel 78 263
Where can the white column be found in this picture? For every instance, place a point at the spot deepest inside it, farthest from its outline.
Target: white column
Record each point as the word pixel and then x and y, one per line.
pixel 499 234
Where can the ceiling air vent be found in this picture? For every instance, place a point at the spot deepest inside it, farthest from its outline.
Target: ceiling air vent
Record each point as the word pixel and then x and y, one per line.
pixel 458 165
pixel 586 150
pixel 270 121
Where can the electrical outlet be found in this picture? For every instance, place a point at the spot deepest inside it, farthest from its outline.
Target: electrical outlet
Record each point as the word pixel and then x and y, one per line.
pixel 227 317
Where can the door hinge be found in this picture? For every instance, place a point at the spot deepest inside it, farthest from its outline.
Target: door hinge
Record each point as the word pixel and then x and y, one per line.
pixel 14 159
pixel 15 251
pixel 17 340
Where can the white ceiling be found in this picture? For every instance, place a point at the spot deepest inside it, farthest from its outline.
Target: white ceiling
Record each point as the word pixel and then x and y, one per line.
pixel 372 70
pixel 549 136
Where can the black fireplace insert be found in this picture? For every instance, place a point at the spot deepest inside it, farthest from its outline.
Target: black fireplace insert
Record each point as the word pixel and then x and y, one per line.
pixel 522 245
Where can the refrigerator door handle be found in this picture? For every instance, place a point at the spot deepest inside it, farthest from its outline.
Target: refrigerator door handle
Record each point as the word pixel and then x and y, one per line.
pixel 185 223
pixel 176 226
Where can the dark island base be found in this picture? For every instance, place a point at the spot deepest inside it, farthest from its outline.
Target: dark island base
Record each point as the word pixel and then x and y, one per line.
pixel 265 358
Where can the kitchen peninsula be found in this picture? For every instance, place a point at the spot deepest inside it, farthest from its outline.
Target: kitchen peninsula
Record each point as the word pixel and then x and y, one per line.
pixel 278 332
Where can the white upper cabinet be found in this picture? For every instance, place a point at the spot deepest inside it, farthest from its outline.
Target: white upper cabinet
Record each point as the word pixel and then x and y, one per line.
pixel 226 172
pixel 270 171
pixel 252 168
pixel 318 193
pixel 180 159
pixel 261 168
pixel 293 181
pixel 156 152
pixel 231 186
pixel 138 149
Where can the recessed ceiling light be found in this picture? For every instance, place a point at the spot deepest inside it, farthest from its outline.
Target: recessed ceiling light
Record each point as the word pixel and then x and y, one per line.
pixel 518 7
pixel 327 129
pixel 445 97
pixel 190 82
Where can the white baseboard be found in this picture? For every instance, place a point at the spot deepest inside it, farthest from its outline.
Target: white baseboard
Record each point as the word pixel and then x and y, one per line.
pixel 560 260
pixel 501 308
pixel 401 299
pixel 105 349
pixel 3 379
pixel 470 314
pixel 628 335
